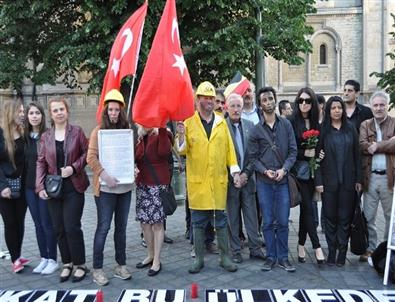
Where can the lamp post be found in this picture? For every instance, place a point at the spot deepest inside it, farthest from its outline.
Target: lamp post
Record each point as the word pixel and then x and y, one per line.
pixel 259 64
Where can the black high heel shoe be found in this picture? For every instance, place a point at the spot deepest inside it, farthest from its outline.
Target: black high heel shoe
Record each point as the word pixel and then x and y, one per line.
pixel 301 259
pixel 319 261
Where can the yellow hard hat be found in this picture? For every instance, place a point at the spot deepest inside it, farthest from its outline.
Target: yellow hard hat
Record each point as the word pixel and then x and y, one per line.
pixel 206 89
pixel 114 96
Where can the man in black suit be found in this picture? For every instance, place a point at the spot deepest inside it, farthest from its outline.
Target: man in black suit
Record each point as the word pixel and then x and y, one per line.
pixel 242 195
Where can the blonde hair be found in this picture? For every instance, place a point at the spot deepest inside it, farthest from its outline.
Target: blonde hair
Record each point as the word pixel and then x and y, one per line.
pixel 59 100
pixel 8 124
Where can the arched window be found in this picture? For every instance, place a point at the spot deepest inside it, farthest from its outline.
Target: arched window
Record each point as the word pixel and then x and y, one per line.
pixel 323 54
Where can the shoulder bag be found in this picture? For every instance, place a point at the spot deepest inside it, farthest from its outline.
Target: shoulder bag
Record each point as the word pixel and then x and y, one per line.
pixel 166 196
pixel 53 183
pixel 293 186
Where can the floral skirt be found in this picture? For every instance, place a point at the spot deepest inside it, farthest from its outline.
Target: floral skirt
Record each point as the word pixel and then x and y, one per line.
pixel 149 207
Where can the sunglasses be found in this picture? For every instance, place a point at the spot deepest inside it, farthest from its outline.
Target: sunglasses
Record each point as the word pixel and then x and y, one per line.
pixel 307 101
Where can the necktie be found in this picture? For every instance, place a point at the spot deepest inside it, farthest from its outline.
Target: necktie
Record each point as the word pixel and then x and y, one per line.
pixel 239 144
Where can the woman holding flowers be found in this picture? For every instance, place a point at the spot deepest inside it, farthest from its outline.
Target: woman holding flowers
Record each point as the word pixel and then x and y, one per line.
pixel 338 177
pixel 305 122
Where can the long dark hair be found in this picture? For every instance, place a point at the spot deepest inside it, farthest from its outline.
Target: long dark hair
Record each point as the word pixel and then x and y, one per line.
pixel 327 122
pixel 313 114
pixel 122 122
pixel 28 126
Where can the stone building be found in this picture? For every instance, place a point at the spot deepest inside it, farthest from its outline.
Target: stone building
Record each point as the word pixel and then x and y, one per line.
pixel 350 41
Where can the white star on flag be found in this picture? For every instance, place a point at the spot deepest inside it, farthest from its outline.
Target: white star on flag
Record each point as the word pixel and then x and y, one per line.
pixel 179 63
pixel 115 66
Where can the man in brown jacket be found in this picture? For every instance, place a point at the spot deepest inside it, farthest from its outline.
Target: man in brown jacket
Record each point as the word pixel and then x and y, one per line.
pixel 377 142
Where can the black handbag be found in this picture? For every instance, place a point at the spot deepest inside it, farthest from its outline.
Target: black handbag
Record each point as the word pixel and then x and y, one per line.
pixel 15 185
pixel 53 182
pixel 53 185
pixel 166 196
pixel 359 238
pixel 301 170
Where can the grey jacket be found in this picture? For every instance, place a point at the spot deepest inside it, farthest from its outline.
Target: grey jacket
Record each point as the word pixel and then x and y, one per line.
pixel 260 148
pixel 248 168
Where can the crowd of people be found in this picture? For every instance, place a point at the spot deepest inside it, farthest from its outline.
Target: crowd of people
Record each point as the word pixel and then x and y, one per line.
pixel 239 154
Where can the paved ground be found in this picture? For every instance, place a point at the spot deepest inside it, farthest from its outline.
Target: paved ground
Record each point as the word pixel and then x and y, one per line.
pixel 176 260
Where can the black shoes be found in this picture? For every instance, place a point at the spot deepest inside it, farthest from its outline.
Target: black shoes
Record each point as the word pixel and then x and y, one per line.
pixel 67 269
pixel 258 255
pixel 82 277
pixel 285 264
pixel 152 272
pixel 268 265
pixel 144 265
pixel 301 256
pixel 168 240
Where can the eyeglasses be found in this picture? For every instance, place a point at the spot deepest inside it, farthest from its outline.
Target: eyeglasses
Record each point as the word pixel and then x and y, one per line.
pixel 307 101
pixel 219 101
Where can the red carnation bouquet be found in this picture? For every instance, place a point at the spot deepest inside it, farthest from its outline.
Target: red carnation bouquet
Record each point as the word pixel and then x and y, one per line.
pixel 310 138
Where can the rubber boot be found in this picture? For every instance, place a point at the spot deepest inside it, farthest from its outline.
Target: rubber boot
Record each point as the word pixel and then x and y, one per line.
pixel 225 262
pixel 198 243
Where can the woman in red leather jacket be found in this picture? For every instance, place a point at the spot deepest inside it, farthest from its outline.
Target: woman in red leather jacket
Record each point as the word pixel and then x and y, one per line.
pixel 153 149
pixel 63 150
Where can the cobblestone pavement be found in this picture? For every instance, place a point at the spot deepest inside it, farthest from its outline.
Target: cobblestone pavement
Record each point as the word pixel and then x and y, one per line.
pixel 176 260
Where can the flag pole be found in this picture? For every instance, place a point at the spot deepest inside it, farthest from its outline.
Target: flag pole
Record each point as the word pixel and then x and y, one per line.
pixel 130 96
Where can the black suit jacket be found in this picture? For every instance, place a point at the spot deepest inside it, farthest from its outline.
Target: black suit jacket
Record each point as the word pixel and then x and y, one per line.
pixel 327 175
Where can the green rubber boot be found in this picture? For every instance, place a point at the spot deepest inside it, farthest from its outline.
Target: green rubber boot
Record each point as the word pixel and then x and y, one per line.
pixel 198 243
pixel 225 262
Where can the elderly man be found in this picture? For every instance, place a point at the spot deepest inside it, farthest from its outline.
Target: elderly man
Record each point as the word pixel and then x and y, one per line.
pixel 242 195
pixel 205 140
pixel 273 152
pixel 377 142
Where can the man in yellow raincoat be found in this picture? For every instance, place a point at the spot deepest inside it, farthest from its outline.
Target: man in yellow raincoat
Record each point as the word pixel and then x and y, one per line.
pixel 205 140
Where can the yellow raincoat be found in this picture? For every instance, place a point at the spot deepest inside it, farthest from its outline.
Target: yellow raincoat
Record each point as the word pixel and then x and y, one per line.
pixel 207 163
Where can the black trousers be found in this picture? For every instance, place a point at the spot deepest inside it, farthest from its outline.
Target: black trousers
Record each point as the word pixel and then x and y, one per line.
pixel 338 211
pixel 13 212
pixel 306 217
pixel 66 213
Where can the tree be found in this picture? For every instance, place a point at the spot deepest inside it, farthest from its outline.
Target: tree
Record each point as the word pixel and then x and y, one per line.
pixel 31 34
pixel 387 79
pixel 219 37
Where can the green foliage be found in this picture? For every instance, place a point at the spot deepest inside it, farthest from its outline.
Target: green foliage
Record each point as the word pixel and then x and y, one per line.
pixel 387 79
pixel 219 37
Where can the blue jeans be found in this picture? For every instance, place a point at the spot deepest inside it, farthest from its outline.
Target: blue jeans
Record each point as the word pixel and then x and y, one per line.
pixel 274 203
pixel 201 218
pixel 45 233
pixel 108 204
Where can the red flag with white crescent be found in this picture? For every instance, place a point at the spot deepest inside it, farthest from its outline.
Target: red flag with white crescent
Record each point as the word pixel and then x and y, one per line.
pixel 124 54
pixel 165 91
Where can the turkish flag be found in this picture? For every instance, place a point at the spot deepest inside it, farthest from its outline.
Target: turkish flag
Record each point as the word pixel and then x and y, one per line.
pixel 165 91
pixel 124 54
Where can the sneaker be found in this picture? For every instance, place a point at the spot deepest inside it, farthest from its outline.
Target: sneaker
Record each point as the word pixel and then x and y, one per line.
pixel 39 268
pixel 211 248
pixel 24 261
pixel 51 267
pixel 143 243
pixel 237 258
pixel 193 254
pixel 17 266
pixel 122 272
pixel 259 254
pixel 365 256
pixel 268 265
pixel 285 264
pixel 99 277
